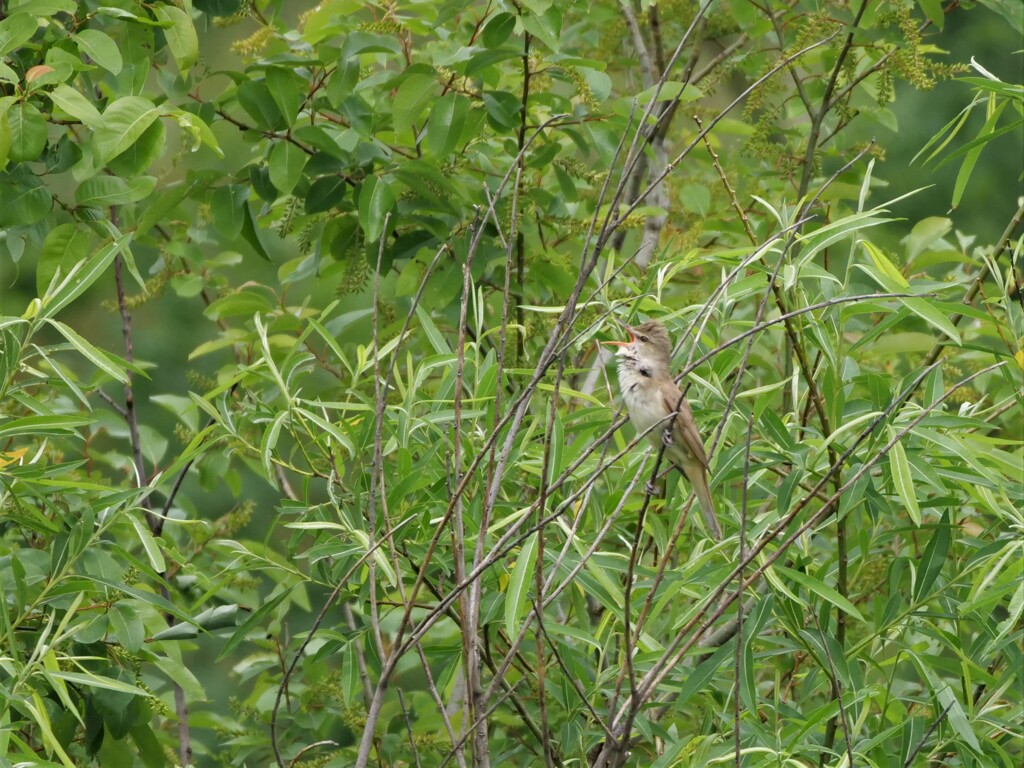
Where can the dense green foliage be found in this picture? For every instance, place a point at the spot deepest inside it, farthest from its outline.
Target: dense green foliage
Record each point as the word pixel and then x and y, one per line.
pixel 309 454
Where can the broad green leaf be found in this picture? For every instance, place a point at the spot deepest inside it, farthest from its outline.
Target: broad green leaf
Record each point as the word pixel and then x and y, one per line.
pixel 286 163
pixel 142 154
pixel 925 233
pixel 197 128
pixel 546 25
pixel 255 98
pixel 413 96
pixel 226 205
pixel 934 11
pixel 75 105
pixel 287 90
pixel 375 202
pixel 103 191
pixel 517 592
pixel 325 193
pixel 24 204
pixel 447 121
pixel 899 468
pixel 64 246
pixel 180 35
pixel 100 48
pixel 128 629
pixel 16 30
pixel 124 121
pixel 498 30
pixel 27 132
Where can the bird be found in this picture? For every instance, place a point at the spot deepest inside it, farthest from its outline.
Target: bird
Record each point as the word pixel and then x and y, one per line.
pixel 653 401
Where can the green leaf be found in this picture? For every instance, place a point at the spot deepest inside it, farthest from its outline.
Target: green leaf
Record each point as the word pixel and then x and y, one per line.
pixel 933 10
pixel 180 35
pixel 287 90
pixel 226 205
pixel 124 121
pixel 94 355
pixel 250 233
pixel 103 191
pixel 149 544
pixel 142 154
pixel 100 48
pixel 518 586
pixel 821 589
pixel 902 480
pixel 64 246
pixel 75 105
pixel 498 30
pixel 43 425
pixel 971 159
pixel 886 267
pixel 81 277
pixel 16 30
pixel 325 193
pixel 252 622
pixel 375 202
pixel 255 98
pixel 447 121
pixel 934 557
pixel 546 25
pixel 923 309
pixel 24 204
pixel 286 163
pixel 27 133
pixel 412 98
pixel 124 620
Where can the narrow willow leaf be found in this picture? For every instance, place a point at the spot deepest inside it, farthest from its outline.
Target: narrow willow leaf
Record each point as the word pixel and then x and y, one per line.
pixel 923 309
pixel 934 557
pixel 821 589
pixel 899 468
pixel 93 354
pixel 885 266
pixel 149 544
pixel 517 593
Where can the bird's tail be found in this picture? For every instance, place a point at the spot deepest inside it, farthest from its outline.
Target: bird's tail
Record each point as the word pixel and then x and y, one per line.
pixel 707 505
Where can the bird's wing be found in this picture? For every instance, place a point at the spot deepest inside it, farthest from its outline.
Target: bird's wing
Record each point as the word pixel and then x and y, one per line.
pixel 685 432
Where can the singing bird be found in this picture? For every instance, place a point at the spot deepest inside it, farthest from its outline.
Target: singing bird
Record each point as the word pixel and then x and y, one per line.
pixel 653 400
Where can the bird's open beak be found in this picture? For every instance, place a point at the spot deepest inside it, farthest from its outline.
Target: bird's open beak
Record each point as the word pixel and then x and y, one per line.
pixel 629 330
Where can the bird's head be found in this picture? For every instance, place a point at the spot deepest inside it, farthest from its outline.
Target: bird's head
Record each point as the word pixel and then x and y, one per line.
pixel 648 341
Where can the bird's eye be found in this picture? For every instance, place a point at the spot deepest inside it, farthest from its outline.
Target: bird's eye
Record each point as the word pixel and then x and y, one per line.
pixel 643 339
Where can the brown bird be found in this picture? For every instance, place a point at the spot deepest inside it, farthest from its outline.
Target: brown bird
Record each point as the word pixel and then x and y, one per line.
pixel 653 400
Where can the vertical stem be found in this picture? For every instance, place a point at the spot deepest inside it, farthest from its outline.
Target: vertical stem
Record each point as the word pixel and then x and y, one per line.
pixel 520 239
